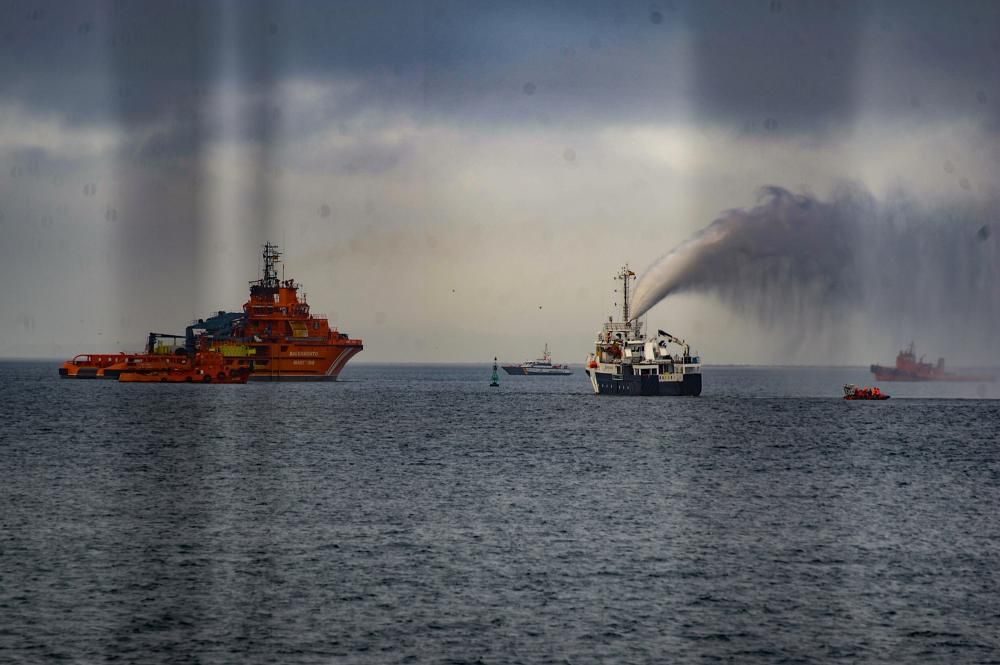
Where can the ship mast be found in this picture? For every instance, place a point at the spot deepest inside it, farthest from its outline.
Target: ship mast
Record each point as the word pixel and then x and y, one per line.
pixel 271 256
pixel 268 284
pixel 625 275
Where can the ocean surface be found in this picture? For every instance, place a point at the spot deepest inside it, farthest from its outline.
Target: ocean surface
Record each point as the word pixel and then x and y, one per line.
pixel 414 515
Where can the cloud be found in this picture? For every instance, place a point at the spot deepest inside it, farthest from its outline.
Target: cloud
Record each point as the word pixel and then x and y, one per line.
pixel 52 132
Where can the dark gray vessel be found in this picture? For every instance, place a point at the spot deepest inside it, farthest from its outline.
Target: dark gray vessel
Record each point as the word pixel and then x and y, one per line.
pixel 625 362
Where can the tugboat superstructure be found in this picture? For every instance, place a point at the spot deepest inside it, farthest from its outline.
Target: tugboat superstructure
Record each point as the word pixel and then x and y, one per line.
pixel 276 328
pixel 625 362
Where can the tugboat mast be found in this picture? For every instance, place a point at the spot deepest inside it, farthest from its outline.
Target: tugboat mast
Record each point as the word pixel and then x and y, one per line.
pixel 268 283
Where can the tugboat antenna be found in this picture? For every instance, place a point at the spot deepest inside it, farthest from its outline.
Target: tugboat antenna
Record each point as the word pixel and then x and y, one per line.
pixel 271 256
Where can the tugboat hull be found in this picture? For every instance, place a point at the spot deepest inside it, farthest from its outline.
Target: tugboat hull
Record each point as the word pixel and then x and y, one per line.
pixel 613 384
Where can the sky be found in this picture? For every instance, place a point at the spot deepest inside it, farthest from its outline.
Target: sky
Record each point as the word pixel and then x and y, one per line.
pixel 456 180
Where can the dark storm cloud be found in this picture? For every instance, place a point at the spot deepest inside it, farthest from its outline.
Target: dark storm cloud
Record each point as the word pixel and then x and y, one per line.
pixel 776 65
pixel 438 57
pixel 786 64
pixel 146 59
pixel 769 65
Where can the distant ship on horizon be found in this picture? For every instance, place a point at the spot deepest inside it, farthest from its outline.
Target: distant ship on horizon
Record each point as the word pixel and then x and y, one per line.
pixel 908 368
pixel 540 367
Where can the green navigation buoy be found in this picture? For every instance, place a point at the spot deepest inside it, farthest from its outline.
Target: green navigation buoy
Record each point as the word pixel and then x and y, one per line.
pixel 495 378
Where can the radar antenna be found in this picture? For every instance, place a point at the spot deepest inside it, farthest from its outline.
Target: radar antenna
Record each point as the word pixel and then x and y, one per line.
pixel 271 257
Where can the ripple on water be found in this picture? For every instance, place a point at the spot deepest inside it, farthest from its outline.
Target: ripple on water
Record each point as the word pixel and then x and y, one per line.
pixel 411 515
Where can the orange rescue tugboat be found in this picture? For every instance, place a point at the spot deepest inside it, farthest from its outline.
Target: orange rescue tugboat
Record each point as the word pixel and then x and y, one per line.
pixel 908 368
pixel 852 391
pixel 285 341
pixel 274 338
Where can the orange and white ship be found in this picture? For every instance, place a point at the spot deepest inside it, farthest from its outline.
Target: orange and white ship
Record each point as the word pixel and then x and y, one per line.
pixel 277 331
pixel 274 338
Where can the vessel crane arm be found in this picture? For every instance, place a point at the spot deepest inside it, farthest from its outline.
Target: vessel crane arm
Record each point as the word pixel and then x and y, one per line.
pixel 676 340
pixel 153 336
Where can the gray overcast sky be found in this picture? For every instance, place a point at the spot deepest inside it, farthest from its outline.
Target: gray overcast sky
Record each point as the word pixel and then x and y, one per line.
pixel 457 180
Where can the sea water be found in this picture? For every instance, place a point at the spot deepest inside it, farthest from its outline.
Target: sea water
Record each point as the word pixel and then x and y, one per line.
pixel 414 514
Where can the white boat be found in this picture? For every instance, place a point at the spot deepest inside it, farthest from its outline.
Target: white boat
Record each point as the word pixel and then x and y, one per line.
pixel 541 367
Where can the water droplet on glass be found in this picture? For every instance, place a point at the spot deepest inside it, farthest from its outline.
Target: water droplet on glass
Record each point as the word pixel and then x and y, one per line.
pixel 324 211
pixel 981 96
pixel 569 155
pixel 655 17
pixel 528 88
pixel 965 184
pixel 983 233
pixel 775 6
pixel 949 167
pixel 771 124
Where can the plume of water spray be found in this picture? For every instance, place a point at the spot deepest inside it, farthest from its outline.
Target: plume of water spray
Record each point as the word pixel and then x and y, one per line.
pixel 798 263
pixel 787 236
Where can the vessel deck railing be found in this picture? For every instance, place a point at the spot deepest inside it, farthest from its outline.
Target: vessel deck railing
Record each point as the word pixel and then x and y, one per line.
pixel 618 326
